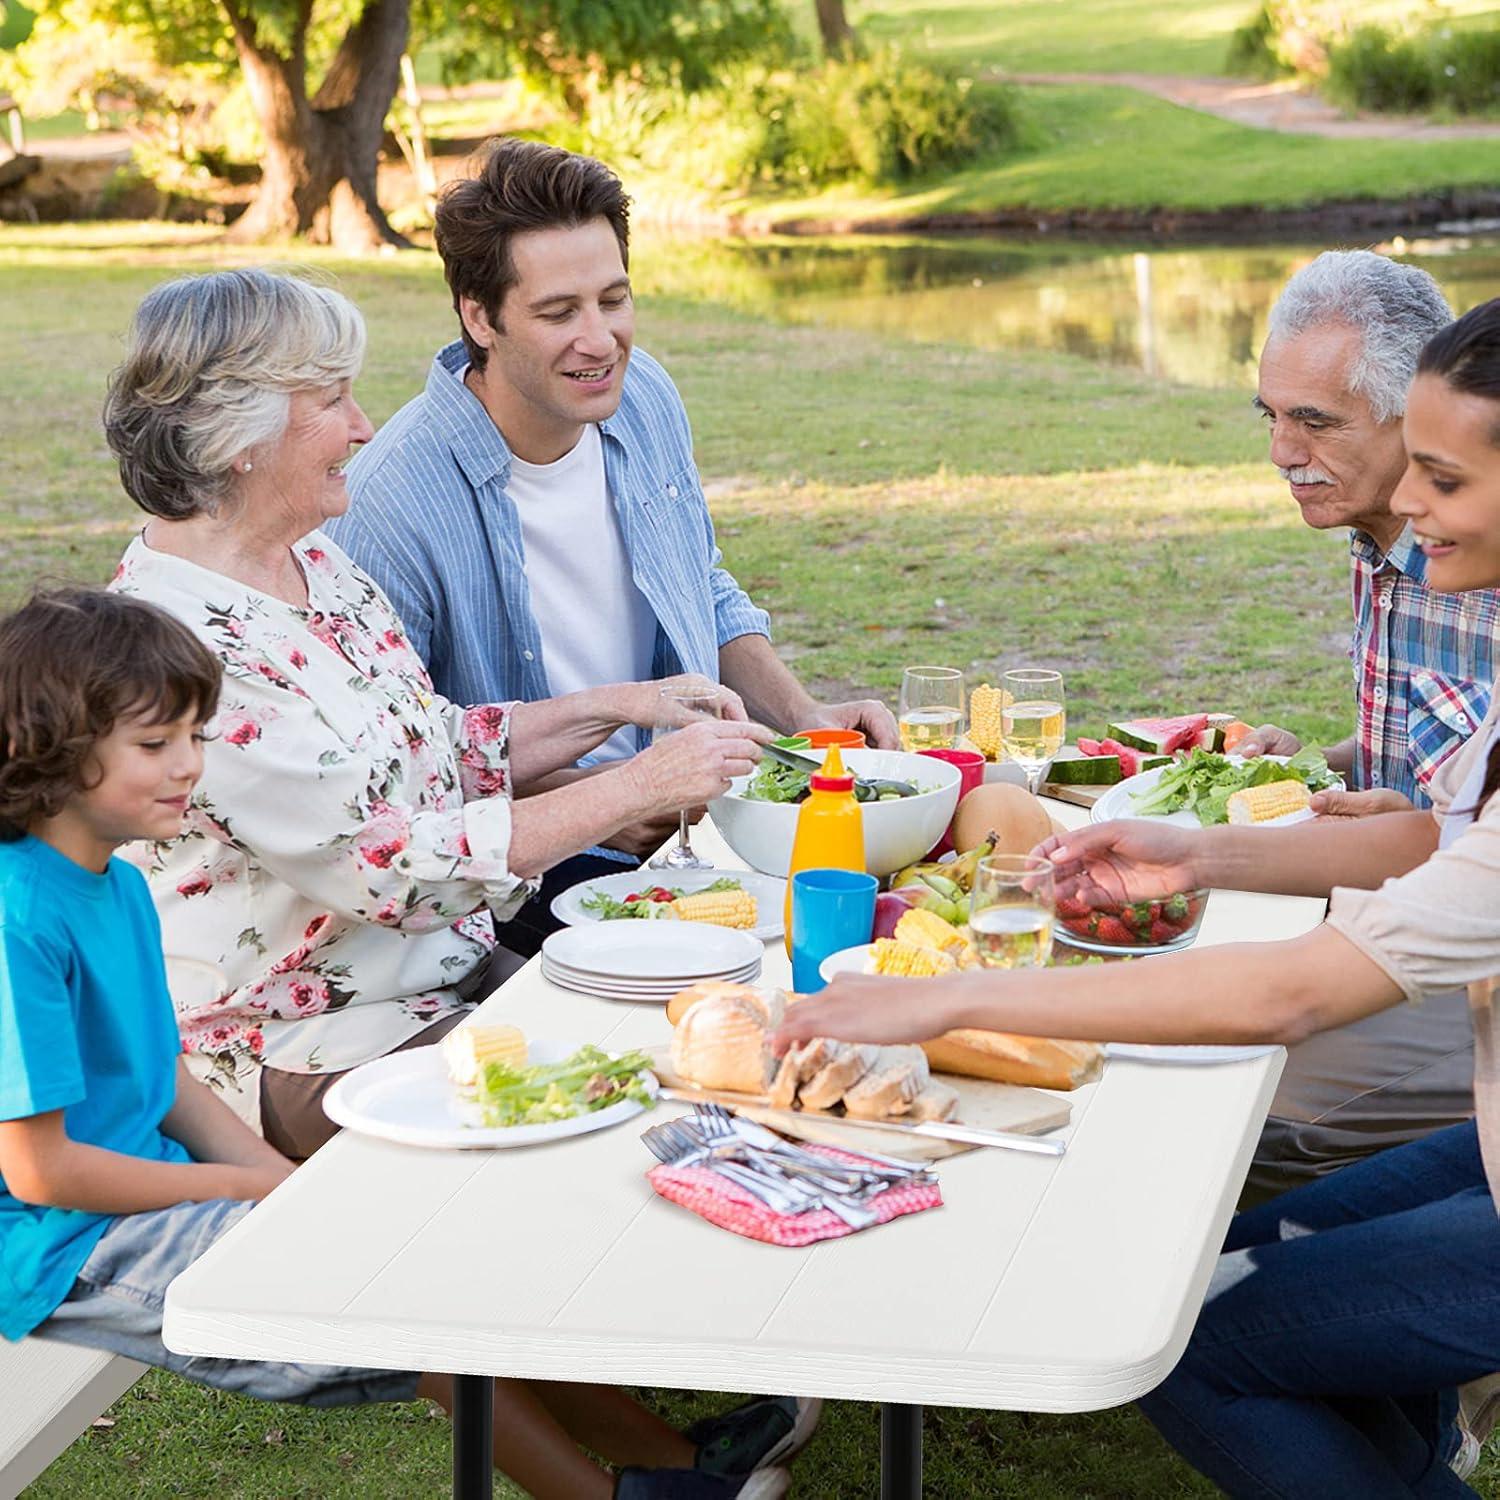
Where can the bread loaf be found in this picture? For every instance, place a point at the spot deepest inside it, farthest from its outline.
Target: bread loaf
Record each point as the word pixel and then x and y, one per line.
pixel 1041 1062
pixel 684 1000
pixel 720 1043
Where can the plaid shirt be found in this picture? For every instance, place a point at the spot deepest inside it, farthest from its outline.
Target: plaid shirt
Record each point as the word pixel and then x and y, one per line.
pixel 1423 664
pixel 432 524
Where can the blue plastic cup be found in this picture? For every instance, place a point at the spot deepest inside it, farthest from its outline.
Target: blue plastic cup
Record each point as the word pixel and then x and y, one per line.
pixel 831 910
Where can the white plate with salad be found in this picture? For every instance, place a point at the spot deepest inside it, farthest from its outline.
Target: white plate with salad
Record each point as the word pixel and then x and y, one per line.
pixel 643 895
pixel 1193 792
pixel 408 1097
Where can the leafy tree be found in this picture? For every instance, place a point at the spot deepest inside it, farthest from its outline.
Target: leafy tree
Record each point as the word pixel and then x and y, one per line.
pixel 322 77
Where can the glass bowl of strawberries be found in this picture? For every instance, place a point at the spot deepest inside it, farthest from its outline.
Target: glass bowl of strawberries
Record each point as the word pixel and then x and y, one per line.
pixel 1164 925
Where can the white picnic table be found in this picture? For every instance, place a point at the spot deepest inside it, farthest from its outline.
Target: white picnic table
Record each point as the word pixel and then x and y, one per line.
pixel 1042 1284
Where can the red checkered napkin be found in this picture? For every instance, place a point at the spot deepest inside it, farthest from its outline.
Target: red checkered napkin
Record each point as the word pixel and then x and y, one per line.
pixel 728 1205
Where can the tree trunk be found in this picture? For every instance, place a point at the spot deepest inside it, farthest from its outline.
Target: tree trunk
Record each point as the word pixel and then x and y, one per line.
pixel 318 171
pixel 834 28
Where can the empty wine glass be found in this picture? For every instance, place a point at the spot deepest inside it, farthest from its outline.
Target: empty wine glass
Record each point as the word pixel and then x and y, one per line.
pixel 1033 719
pixel 932 708
pixel 702 703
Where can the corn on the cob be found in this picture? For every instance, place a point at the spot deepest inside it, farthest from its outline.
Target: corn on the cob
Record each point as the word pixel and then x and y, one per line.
pixel 466 1049
pixel 722 908
pixel 928 930
pixel 887 956
pixel 985 704
pixel 1257 804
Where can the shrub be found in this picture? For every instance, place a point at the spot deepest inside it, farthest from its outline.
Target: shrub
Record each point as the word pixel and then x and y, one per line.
pixel 1466 69
pixel 1377 69
pixel 875 119
pixel 1282 37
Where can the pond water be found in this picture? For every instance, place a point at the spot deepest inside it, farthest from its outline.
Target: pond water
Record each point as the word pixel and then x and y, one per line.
pixel 1195 315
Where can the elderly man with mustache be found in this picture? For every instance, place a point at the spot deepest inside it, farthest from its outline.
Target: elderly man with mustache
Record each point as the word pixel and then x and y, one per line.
pixel 1340 354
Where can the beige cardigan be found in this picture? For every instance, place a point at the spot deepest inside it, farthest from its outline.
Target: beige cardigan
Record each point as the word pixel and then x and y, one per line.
pixel 1439 927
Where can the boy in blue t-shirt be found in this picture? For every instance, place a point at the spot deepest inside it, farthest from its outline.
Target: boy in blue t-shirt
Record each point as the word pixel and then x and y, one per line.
pixel 118 1169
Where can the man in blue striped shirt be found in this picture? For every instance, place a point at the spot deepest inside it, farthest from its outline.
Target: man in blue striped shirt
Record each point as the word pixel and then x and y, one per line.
pixel 535 514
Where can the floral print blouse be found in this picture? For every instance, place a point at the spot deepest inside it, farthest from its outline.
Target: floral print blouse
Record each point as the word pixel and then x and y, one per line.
pixel 344 856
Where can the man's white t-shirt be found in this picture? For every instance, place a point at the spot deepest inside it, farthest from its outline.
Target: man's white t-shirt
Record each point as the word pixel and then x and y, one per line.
pixel 595 624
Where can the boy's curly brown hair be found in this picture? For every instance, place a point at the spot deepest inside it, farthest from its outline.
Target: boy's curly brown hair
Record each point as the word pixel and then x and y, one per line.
pixel 73 662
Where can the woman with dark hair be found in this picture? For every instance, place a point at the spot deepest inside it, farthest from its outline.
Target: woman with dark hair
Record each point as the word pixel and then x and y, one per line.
pixel 1343 1315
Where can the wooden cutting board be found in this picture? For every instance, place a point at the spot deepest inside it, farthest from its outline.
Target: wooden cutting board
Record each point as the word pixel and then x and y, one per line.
pixel 992 1106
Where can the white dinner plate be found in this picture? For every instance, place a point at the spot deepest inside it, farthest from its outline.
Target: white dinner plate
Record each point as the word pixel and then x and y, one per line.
pixel 769 893
pixel 406 1097
pixel 845 961
pixel 1142 1052
pixel 652 950
pixel 1119 802
pixel 616 989
pixel 566 971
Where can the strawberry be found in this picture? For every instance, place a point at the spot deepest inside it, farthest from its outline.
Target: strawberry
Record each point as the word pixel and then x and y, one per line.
pixel 1113 930
pixel 1071 906
pixel 660 893
pixel 1164 932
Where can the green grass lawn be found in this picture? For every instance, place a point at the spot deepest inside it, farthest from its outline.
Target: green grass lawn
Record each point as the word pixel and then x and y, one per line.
pixel 889 503
pixel 1097 36
pixel 1100 147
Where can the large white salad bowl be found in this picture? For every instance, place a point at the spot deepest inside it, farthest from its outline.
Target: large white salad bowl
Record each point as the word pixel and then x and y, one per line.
pixel 897 833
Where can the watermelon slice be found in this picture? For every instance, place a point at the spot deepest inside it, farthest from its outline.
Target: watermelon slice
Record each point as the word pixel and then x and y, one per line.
pixel 1089 747
pixel 1211 738
pixel 1160 736
pixel 1090 768
pixel 1132 760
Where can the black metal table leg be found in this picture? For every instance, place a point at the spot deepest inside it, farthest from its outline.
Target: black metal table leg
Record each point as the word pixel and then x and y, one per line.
pixel 900 1452
pixel 473 1437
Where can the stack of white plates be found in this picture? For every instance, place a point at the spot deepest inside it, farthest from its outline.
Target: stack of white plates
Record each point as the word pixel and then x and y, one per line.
pixel 648 961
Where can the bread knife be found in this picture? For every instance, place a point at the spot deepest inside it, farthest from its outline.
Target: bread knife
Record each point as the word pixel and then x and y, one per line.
pixel 942 1130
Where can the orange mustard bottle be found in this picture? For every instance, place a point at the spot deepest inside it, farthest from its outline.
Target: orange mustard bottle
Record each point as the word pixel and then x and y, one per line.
pixel 830 828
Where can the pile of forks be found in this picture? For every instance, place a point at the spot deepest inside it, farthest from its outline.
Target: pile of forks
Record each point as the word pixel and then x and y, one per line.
pixel 785 1177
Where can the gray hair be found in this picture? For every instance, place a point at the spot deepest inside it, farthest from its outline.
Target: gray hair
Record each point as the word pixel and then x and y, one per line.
pixel 1394 308
pixel 210 366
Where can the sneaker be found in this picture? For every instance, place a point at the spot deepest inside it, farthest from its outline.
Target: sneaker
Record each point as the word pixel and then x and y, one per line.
pixel 1466 1460
pixel 756 1435
pixel 694 1484
pixel 1479 1406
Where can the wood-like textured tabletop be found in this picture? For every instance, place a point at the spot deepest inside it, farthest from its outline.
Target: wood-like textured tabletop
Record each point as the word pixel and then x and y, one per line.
pixel 1041 1285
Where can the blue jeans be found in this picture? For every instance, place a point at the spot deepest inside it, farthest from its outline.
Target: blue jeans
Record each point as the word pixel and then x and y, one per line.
pixel 1340 1319
pixel 116 1304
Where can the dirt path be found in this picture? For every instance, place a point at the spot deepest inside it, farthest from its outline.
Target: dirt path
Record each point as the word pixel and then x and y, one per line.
pixel 1283 105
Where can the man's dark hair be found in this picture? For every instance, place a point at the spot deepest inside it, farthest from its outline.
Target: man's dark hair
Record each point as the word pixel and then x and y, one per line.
pixel 520 186
pixel 73 662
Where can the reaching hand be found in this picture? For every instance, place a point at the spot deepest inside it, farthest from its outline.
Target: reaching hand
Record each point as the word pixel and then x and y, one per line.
pixel 869 715
pixel 695 765
pixel 872 1008
pixel 1268 740
pixel 1130 859
pixel 1337 803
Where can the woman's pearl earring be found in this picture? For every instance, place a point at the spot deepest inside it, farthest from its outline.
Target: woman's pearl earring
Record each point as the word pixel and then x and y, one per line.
pixel 246 467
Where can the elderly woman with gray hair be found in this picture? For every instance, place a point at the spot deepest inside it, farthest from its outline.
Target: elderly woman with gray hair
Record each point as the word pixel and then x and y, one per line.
pixel 353 839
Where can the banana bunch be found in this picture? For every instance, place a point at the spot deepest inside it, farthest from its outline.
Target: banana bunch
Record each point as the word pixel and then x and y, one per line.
pixel 958 872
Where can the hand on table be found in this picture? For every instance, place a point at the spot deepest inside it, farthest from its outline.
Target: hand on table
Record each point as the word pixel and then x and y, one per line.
pixel 869 715
pixel 1127 860
pixel 871 1008
pixel 1268 740
pixel 1337 803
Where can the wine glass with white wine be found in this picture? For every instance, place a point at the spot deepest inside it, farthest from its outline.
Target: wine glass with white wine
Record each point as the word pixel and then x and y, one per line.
pixel 1012 910
pixel 702 703
pixel 931 714
pixel 1033 719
